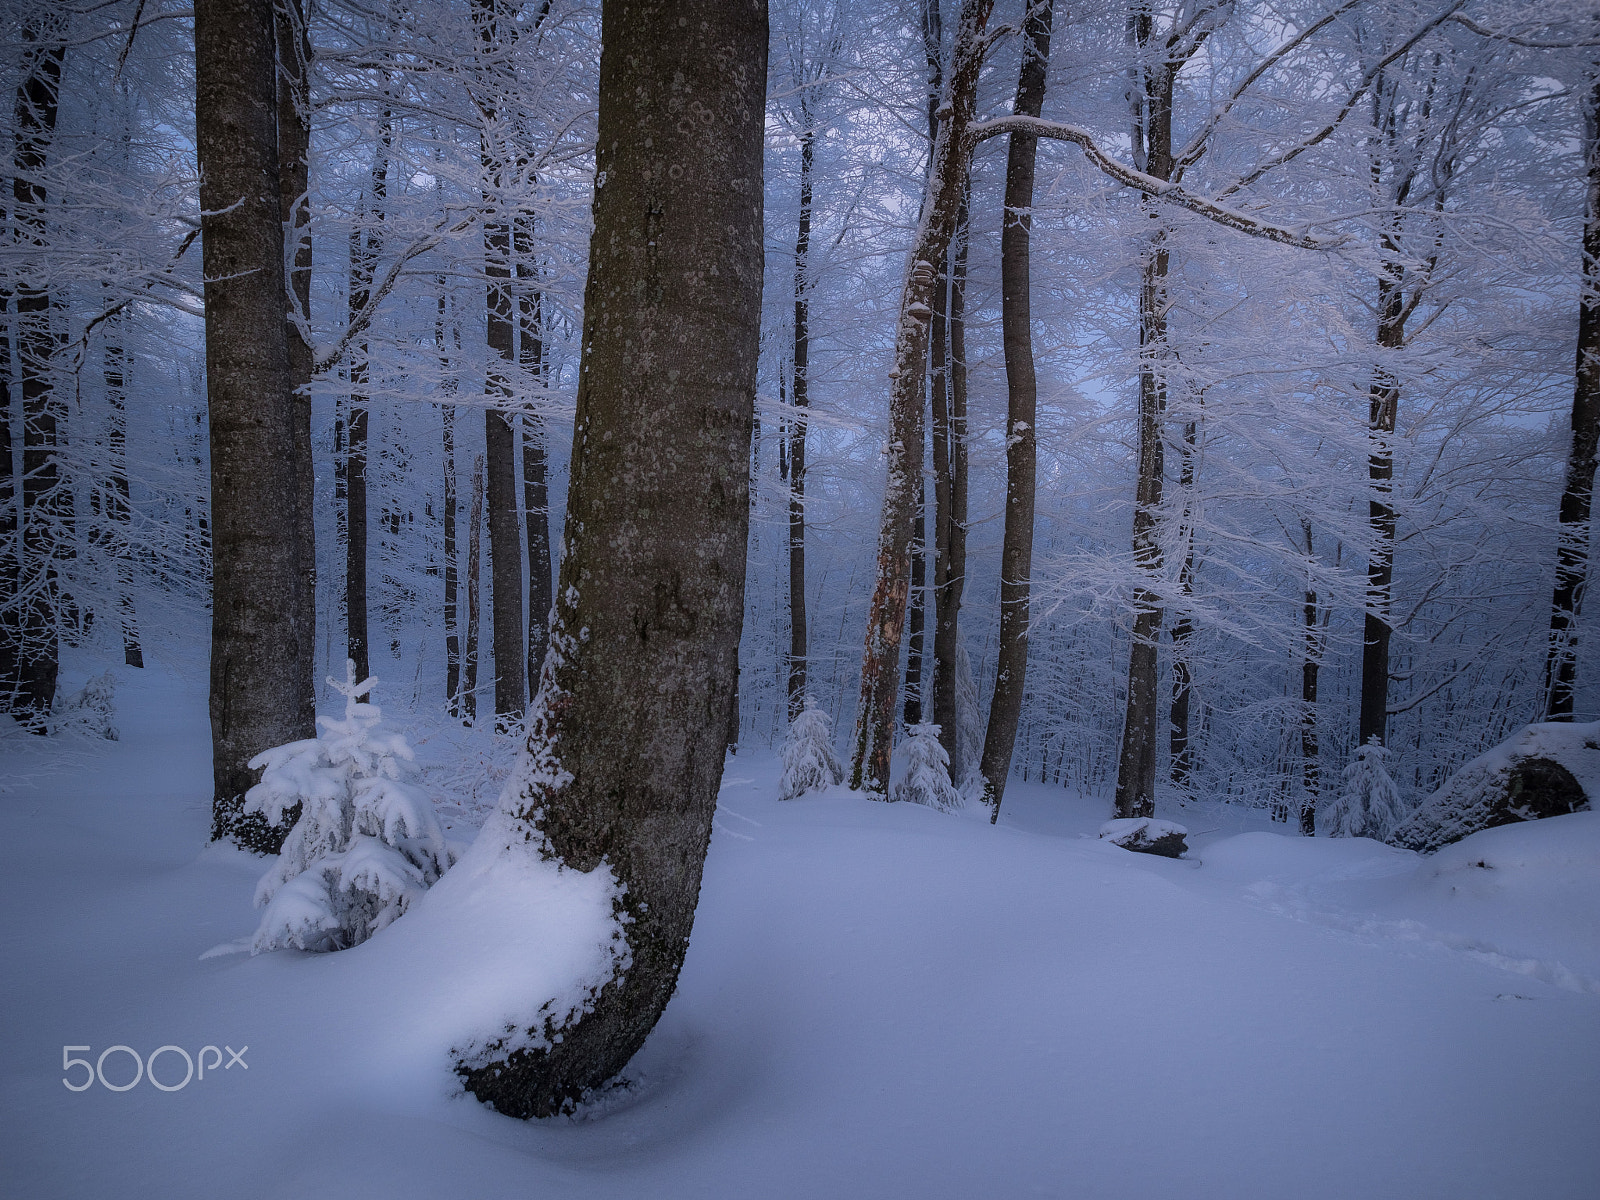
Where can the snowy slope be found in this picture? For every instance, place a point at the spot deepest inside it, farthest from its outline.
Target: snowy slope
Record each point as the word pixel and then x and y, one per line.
pixel 879 1001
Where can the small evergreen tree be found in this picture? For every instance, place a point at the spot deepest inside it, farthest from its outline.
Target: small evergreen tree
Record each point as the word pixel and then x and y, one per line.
pixel 1370 804
pixel 366 844
pixel 93 709
pixel 926 779
pixel 808 759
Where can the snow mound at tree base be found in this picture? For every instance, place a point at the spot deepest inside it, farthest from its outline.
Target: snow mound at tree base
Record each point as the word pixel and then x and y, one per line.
pixel 1548 769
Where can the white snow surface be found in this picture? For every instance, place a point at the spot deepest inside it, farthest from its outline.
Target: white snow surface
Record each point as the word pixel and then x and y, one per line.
pixel 879 1000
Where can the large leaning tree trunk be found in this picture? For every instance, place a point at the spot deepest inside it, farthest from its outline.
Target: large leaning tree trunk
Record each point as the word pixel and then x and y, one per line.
pixel 880 665
pixel 628 732
pixel 257 636
pixel 1572 554
pixel 1022 400
pixel 35 655
pixel 294 204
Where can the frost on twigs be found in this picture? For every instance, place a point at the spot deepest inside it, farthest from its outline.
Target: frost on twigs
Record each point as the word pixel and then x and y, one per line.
pixel 1369 804
pixel 926 779
pixel 809 763
pixel 367 843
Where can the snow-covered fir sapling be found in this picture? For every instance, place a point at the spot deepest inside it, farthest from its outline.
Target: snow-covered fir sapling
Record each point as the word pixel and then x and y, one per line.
pixel 1369 804
pixel 808 759
pixel 93 709
pixel 367 843
pixel 926 779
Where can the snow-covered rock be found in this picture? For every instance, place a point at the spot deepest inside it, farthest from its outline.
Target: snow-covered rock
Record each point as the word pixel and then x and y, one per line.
pixel 1146 835
pixel 1548 769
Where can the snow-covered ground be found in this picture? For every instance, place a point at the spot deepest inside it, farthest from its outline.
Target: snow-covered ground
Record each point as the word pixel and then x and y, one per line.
pixel 879 1001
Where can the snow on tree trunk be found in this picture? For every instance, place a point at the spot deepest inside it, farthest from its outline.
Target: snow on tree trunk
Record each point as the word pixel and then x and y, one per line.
pixel 926 779
pixel 1370 804
pixel 366 844
pixel 628 733
pixel 880 665
pixel 809 763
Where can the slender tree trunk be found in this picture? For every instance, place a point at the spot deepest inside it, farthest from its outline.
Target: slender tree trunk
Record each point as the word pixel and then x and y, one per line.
pixel 294 159
pixel 880 667
pixel 1136 767
pixel 43 497
pixel 1572 553
pixel 500 438
pixel 1152 110
pixel 452 571
pixel 10 557
pixel 119 511
pixel 797 430
pixel 469 655
pixel 950 576
pixel 1384 401
pixel 535 490
pixel 1310 765
pixel 257 636
pixel 366 242
pixel 1181 763
pixel 626 748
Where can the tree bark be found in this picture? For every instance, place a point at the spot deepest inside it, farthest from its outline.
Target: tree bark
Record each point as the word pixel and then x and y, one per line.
pixel 118 510
pixel 950 577
pixel 469 653
pixel 500 439
pixel 9 557
pixel 1151 100
pixel 366 242
pixel 635 697
pixel 1383 404
pixel 294 165
pixel 451 568
pixel 43 499
pixel 257 636
pixel 800 397
pixel 1310 764
pixel 535 489
pixel 880 667
pixel 1572 552
pixel 1181 758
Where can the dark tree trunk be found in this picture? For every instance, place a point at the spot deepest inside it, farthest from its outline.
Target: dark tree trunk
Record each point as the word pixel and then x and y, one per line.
pixel 469 653
pixel 366 242
pixel 9 559
pixel 880 666
pixel 500 438
pixel 43 497
pixel 1384 401
pixel 535 489
pixel 633 710
pixel 1310 764
pixel 1572 553
pixel 294 158
pixel 118 510
pixel 950 576
pixel 452 570
pixel 257 637
pixel 1181 763
pixel 797 433
pixel 1151 99
pixel 938 360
